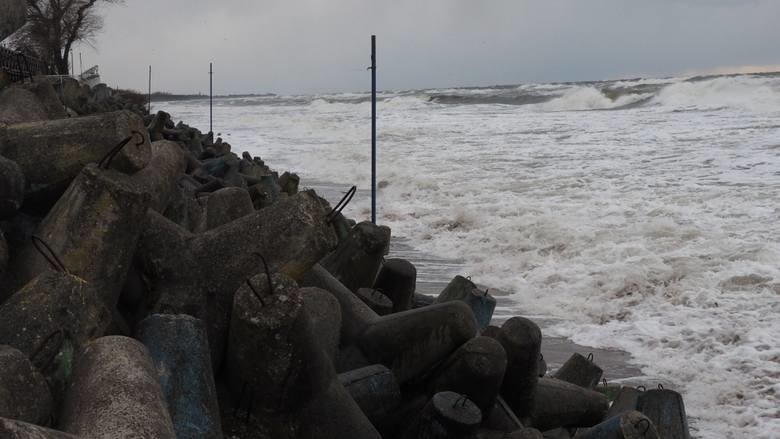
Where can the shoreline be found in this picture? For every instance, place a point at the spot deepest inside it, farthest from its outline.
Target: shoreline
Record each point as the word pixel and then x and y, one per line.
pixel 433 274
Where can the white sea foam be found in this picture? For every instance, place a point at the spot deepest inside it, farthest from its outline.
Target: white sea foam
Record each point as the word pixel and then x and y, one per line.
pixel 653 229
pixel 591 98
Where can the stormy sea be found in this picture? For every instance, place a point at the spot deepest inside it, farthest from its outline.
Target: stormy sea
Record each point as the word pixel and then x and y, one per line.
pixel 640 215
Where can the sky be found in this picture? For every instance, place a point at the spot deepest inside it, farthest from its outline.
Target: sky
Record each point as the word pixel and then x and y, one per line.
pixel 321 46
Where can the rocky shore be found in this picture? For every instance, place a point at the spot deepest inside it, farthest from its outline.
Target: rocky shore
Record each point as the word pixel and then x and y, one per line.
pixel 155 284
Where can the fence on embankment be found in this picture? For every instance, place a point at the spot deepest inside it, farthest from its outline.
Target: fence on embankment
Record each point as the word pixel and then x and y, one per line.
pixel 18 67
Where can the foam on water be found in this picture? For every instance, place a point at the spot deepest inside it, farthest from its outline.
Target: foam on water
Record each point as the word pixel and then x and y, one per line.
pixel 650 228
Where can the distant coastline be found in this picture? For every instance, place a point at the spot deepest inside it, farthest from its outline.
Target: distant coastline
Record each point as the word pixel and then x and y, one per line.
pixel 165 96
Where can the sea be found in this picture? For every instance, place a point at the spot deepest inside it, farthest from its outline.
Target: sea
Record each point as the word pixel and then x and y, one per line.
pixel 640 215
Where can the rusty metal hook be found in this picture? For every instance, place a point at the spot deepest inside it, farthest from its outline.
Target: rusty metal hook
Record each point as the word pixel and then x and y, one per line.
pixel 45 364
pixel 252 287
pixel 462 399
pixel 267 273
pixel 51 257
pixel 641 388
pixel 590 357
pixel 660 387
pixel 341 204
pixel 647 425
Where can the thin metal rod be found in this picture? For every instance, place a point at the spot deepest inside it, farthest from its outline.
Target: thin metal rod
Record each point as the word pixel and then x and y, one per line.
pixel 211 97
pixel 150 89
pixel 373 129
pixel 81 66
pixel 72 62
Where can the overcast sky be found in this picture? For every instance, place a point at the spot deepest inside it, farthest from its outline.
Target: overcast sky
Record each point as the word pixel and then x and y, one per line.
pixel 315 46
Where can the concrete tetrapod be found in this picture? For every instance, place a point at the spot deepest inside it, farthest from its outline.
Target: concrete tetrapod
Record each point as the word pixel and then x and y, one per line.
pixel 629 425
pixel 562 404
pixel 377 301
pixel 52 153
pixel 522 340
pixel 11 188
pixel 666 409
pixel 226 205
pixel 24 395
pixel 625 401
pixel 274 361
pixel 94 228
pixel 4 255
pixel 325 314
pixel 410 342
pixel 580 371
pixel 178 346
pixel 397 279
pixel 476 370
pixel 50 319
pixel 114 392
pixel 198 274
pixel 482 304
pixel 448 415
pixel 14 429
pixel 160 177
pixel 374 389
pixel 357 259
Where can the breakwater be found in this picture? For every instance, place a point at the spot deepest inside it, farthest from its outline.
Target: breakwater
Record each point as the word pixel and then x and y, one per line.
pixel 155 283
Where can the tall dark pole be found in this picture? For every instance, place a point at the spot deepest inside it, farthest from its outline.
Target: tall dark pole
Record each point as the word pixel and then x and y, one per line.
pixel 150 89
pixel 81 66
pixel 373 129
pixel 72 64
pixel 211 98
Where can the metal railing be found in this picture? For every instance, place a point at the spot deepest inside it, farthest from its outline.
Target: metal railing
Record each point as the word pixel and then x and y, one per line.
pixel 20 67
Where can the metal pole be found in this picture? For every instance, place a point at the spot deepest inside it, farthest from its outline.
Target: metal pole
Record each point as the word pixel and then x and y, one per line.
pixel 150 89
pixel 373 129
pixel 211 97
pixel 81 65
pixel 72 67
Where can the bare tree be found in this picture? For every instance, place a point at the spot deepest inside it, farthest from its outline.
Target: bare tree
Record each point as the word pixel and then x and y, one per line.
pixel 53 26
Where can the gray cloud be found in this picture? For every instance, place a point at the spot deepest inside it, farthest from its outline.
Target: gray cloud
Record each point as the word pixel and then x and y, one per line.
pixel 309 46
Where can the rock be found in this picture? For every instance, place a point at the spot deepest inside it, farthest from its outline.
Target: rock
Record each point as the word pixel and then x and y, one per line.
pixel 226 205
pixel 50 319
pixel 274 355
pixel 378 302
pixel 580 371
pixel 374 389
pixel 114 392
pixel 94 229
pixel 476 370
pixel 356 260
pixel 522 340
pixel 628 425
pixel 325 314
pixel 289 183
pixel 501 417
pixel 562 404
pixel 178 346
pixel 160 177
pixel 24 395
pixel 4 255
pixel 481 303
pixel 397 279
pixel 356 316
pixel 18 105
pixel 666 410
pixel 625 401
pixel 47 97
pixel 410 342
pixel 13 429
pixel 198 274
pixel 447 416
pixel 52 153
pixel 11 188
